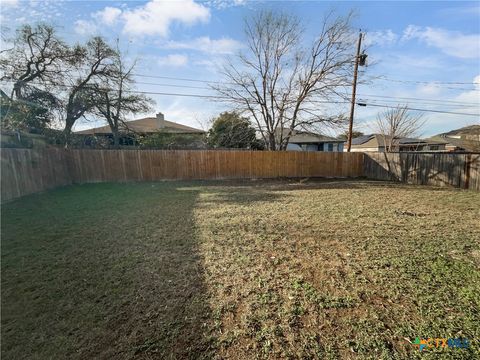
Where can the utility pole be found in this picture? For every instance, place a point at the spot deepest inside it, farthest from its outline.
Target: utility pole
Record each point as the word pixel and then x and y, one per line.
pixel 358 58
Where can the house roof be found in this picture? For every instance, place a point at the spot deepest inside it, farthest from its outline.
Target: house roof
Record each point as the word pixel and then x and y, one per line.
pixel 305 137
pixel 378 140
pixel 463 144
pixel 466 138
pixel 372 140
pixel 360 140
pixel 467 130
pixel 145 125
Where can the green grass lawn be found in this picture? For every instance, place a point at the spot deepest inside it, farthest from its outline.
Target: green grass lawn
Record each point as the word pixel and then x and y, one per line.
pixel 240 270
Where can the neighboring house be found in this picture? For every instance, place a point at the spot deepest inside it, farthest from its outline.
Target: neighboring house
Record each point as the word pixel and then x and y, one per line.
pixel 145 126
pixel 142 127
pixel 308 141
pixel 466 139
pixel 376 142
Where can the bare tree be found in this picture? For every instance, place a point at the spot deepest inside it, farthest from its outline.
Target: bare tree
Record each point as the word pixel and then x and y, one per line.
pixel 396 123
pixel 115 99
pixel 283 85
pixel 92 64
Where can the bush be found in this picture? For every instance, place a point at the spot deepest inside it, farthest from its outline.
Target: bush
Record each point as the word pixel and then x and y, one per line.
pixel 164 140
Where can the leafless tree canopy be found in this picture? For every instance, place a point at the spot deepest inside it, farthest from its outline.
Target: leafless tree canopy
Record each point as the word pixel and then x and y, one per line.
pixel 92 64
pixel 114 99
pixel 281 83
pixel 397 123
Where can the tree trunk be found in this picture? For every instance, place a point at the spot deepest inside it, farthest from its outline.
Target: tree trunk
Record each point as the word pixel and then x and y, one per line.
pixel 116 138
pixel 271 142
pixel 16 91
pixel 67 132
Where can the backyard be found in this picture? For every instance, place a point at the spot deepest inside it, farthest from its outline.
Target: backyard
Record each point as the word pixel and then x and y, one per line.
pixel 240 270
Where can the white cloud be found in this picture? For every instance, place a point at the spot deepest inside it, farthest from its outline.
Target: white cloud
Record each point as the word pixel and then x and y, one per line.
pixel 10 3
pixel 224 4
pixel 223 45
pixel 382 38
pixel 85 27
pixel 108 16
pixel 173 60
pixel 430 89
pixel 476 81
pixel 155 17
pixel 471 96
pixel 452 43
pixel 17 11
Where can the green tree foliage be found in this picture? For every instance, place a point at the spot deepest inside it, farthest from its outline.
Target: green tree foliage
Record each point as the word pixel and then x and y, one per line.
pixel 37 57
pixel 52 81
pixel 165 140
pixel 49 75
pixel 33 66
pixel 33 113
pixel 230 130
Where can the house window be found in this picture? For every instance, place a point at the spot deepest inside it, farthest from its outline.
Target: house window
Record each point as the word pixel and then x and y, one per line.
pixel 434 147
pixel 320 147
pixel 330 147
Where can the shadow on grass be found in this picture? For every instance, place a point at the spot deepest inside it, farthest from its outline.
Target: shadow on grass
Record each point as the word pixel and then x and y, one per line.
pixel 265 190
pixel 103 271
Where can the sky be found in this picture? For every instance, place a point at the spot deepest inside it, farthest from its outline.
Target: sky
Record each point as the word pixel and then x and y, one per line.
pixel 422 54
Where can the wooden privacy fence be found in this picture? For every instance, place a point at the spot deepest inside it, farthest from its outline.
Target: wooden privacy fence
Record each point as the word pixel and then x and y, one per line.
pixel 437 169
pixel 26 171
pixel 29 171
pixel 151 165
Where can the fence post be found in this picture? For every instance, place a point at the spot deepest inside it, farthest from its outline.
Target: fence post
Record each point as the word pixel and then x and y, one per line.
pixel 468 161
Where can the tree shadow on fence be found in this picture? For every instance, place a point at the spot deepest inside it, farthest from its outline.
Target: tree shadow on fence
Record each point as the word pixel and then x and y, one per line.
pixel 457 170
pixel 103 271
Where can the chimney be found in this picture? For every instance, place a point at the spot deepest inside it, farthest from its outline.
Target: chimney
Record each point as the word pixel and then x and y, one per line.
pixel 160 120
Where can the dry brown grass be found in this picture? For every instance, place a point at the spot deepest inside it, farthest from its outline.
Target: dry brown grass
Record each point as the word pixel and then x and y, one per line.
pixel 277 269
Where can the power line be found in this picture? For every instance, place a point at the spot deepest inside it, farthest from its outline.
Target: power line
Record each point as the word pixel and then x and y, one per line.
pixel 420 103
pixel 179 79
pixel 438 85
pixel 177 94
pixel 368 95
pixel 411 98
pixel 318 101
pixel 173 85
pixel 415 109
pixel 456 103
pixel 429 82
pixel 138 91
